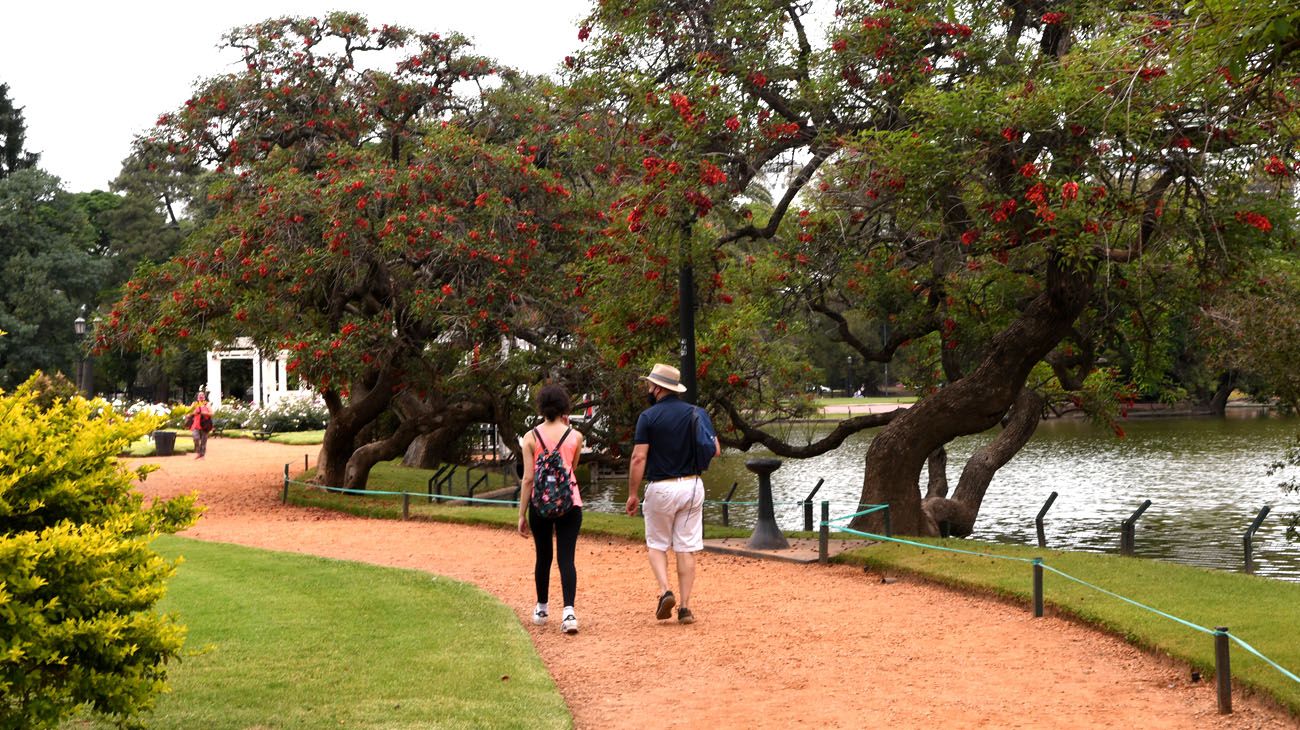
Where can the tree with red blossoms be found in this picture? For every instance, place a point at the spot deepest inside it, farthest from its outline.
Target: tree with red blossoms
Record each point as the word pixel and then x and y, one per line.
pixel 362 225
pixel 983 180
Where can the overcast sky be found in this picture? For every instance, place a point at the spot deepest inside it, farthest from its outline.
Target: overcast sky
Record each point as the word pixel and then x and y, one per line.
pixel 90 76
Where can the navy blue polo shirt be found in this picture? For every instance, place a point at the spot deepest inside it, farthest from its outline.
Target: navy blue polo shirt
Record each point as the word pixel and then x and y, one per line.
pixel 666 427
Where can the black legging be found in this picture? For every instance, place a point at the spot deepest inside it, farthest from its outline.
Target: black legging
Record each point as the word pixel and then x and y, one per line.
pixel 566 539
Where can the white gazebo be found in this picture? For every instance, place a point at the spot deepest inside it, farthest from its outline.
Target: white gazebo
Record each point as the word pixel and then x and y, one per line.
pixel 270 374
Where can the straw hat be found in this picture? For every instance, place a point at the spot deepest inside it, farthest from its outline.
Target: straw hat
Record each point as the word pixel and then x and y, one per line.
pixel 667 377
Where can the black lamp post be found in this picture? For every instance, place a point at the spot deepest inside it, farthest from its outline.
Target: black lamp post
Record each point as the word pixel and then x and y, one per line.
pixel 83 365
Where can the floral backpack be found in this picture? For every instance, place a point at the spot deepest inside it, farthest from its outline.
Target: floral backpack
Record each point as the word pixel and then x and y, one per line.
pixel 552 495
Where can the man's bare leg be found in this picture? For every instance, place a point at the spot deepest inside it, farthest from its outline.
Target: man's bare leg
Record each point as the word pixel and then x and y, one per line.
pixel 659 564
pixel 685 576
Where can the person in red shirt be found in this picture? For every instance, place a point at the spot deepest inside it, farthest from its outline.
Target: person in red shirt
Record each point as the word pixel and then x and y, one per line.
pixel 200 423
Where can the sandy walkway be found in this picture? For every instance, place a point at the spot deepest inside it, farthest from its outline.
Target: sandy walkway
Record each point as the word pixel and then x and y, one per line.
pixel 777 645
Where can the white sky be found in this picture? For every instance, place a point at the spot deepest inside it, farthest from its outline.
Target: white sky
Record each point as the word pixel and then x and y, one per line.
pixel 91 75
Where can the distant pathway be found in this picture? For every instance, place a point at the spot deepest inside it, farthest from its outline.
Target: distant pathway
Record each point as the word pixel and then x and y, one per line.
pixel 777 645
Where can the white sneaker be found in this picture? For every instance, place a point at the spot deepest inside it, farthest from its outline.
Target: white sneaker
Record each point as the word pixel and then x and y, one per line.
pixel 539 616
pixel 569 624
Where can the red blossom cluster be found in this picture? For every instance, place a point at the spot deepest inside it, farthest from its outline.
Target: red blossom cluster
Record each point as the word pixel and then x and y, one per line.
pixel 711 174
pixel 781 130
pixel 1253 218
pixel 1053 18
pixel 1276 167
pixel 956 30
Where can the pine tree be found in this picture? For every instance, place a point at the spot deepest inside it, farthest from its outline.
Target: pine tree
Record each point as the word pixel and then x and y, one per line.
pixel 12 134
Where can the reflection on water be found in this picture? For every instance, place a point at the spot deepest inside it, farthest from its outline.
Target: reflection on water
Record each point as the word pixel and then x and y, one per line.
pixel 1206 479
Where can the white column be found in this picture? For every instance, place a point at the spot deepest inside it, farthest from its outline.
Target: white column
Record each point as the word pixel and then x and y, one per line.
pixel 283 362
pixel 257 379
pixel 214 380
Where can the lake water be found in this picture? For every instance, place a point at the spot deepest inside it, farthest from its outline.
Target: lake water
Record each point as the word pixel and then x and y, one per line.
pixel 1206 479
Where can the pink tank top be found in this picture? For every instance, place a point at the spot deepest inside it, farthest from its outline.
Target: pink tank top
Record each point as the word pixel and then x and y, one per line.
pixel 568 452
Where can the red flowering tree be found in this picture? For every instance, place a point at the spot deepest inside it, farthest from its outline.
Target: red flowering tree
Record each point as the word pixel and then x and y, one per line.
pixel 984 179
pixel 361 225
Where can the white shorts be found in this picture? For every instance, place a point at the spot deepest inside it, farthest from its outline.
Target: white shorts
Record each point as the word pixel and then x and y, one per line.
pixel 674 515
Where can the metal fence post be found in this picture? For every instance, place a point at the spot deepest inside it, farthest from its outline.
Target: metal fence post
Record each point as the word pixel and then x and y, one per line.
pixel 406 506
pixel 824 535
pixel 726 505
pixel 284 497
pixel 1128 530
pixel 889 525
pixel 1222 669
pixel 1250 536
pixel 1038 521
pixel 305 463
pixel 1038 587
pixel 807 507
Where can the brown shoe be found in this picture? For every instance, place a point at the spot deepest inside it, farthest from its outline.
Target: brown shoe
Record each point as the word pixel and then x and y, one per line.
pixel 684 616
pixel 666 603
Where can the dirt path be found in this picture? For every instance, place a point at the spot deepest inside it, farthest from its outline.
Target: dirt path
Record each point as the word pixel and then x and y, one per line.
pixel 776 645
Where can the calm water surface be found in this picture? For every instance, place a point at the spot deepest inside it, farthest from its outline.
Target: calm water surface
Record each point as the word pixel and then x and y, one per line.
pixel 1206 479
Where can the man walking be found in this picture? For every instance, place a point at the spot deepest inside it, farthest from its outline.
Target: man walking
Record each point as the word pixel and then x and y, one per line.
pixel 664 456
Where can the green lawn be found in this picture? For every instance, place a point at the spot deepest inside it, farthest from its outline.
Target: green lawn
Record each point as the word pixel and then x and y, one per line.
pixel 286 641
pixel 390 507
pixel 293 438
pixel 823 402
pixel 392 476
pixel 1260 611
pixel 144 445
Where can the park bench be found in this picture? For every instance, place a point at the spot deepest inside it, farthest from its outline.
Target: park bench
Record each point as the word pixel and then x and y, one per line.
pixel 263 435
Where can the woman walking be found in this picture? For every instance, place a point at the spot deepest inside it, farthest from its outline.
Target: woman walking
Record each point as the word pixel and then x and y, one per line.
pixel 200 423
pixel 549 501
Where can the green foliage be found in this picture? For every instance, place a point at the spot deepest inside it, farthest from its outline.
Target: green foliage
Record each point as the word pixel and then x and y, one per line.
pixel 13 132
pixel 939 168
pixel 46 273
pixel 78 579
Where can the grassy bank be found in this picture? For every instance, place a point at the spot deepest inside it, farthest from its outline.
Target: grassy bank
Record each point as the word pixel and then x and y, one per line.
pixel 1260 611
pixel 279 640
pixel 505 516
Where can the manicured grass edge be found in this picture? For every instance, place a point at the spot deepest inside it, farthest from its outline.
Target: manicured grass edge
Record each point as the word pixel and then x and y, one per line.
pixel 504 517
pixel 893 558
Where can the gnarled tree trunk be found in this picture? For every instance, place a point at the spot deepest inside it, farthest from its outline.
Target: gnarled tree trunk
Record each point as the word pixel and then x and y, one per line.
pixel 958 514
pixel 346 421
pixel 970 405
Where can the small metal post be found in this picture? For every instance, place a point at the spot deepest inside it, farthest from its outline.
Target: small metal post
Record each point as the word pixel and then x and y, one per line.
pixel 1223 669
pixel 1038 521
pixel 889 525
pixel 726 505
pixel 305 466
pixel 284 498
pixel 1038 587
pixel 824 535
pixel 406 506
pixel 1128 530
pixel 1250 536
pixel 807 507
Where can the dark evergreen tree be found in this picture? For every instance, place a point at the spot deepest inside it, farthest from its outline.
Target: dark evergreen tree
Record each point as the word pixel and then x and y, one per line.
pixel 12 134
